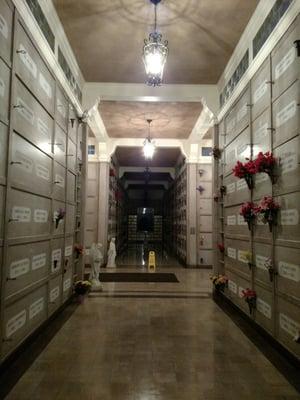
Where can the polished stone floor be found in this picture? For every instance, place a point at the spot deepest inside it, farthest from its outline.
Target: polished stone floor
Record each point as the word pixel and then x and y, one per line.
pixel 152 341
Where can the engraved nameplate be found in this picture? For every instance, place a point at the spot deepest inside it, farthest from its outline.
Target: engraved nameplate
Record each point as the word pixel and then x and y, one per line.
pixel 286 113
pixel 289 325
pixel 19 268
pixel 36 307
pixel 42 172
pixel 289 217
pixel 232 286
pixel 54 293
pixel 285 62
pixel 260 92
pixel 288 161
pixel 67 284
pixel 26 163
pixel 42 127
pixel 15 323
pixel 39 261
pixel 260 133
pixel 260 262
pixel 264 308
pixel 231 252
pixel 242 112
pixel 21 214
pixel 289 271
pixel 68 250
pixel 40 216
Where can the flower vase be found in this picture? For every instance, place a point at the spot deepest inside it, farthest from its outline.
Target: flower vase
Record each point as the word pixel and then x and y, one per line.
pixel 249 223
pixel 80 298
pixel 250 307
pixel 271 274
pixel 272 177
pixel 270 223
pixel 249 181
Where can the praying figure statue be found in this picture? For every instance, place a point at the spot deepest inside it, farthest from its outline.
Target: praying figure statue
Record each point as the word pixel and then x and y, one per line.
pixel 97 259
pixel 111 254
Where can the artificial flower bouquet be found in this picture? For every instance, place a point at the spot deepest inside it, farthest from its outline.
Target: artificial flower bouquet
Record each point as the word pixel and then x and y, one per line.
pixel 221 247
pixel 270 268
pixel 248 210
pixel 59 215
pixel 216 153
pixel 268 209
pixel 81 288
pixel 223 190
pixel 245 171
pixel 266 162
pixel 249 258
pixel 219 282
pixel 250 298
pixel 79 250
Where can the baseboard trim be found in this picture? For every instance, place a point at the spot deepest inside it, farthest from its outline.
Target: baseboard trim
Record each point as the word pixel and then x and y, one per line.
pixel 286 363
pixel 18 362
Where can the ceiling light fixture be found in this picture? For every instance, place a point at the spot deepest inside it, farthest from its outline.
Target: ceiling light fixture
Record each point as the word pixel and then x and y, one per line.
pixel 155 53
pixel 148 145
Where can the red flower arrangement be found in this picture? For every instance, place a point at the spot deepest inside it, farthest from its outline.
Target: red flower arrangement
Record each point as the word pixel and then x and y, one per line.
pixel 221 247
pixel 220 282
pixel 79 250
pixel 268 208
pixel 216 153
pixel 216 197
pixel 223 190
pixel 266 162
pixel 118 195
pixel 249 211
pixel 250 297
pixel 112 172
pixel 245 171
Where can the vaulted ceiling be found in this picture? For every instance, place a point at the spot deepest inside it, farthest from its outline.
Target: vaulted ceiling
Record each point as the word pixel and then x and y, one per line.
pixel 107 36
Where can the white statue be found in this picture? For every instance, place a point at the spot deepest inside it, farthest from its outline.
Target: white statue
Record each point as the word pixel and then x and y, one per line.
pixel 111 254
pixel 97 259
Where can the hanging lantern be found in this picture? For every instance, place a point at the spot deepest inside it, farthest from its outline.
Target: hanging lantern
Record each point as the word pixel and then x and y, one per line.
pixel 155 53
pixel 148 146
